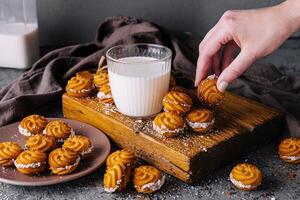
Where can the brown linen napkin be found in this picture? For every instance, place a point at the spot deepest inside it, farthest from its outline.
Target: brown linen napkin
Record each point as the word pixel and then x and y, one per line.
pixel 44 83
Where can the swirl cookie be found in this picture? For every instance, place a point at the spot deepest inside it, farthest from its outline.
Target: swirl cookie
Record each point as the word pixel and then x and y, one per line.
pixel 177 102
pixel 104 94
pixel 60 130
pixel 289 150
pixel 79 144
pixel 208 92
pixel 168 124
pixel 124 156
pixel 245 176
pixel 9 151
pixel 200 120
pixel 116 177
pixel 31 162
pixel 63 161
pixel 147 179
pixel 101 78
pixel 85 74
pixel 42 143
pixel 79 86
pixel 32 124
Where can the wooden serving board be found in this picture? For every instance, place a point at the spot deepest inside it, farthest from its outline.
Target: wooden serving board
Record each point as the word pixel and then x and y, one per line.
pixel 240 124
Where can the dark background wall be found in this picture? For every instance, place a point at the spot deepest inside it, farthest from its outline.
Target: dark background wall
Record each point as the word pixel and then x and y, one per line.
pixel 64 22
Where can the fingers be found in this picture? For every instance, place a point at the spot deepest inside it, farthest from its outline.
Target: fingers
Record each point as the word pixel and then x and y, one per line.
pixel 208 49
pixel 228 54
pixel 235 69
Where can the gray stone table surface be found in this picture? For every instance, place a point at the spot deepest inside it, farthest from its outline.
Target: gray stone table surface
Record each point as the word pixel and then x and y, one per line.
pixel 280 180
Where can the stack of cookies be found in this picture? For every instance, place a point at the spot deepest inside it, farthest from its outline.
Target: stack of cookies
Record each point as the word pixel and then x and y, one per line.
pixel 84 83
pixel 178 111
pixel 120 165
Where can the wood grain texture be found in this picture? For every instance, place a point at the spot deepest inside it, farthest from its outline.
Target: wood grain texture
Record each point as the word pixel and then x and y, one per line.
pixel 240 125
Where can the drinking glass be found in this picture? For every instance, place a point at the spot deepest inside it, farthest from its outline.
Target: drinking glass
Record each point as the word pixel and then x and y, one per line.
pixel 139 77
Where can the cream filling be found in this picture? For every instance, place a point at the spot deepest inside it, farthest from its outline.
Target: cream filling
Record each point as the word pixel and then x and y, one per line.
pixel 240 184
pixel 154 186
pixel 212 77
pixel 196 125
pixel 110 190
pixel 102 95
pixel 293 158
pixel 164 129
pixel 23 131
pixel 89 150
pixel 68 167
pixel 72 133
pixel 31 165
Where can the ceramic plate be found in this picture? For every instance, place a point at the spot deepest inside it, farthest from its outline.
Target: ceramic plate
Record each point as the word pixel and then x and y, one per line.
pixel 101 150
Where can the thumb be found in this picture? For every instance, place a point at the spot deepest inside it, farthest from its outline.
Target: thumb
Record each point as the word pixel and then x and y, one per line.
pixel 237 67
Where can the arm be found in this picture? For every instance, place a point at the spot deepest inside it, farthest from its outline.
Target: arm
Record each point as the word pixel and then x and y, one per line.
pixel 257 32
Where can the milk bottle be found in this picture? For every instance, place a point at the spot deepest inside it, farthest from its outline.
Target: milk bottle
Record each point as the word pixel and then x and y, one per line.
pixel 18 33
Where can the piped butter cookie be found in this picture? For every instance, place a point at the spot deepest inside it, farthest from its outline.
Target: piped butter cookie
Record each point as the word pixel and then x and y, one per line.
pixel 147 179
pixel 168 124
pixel 208 92
pixel 177 102
pixel 245 176
pixel 32 124
pixel 289 150
pixel 200 120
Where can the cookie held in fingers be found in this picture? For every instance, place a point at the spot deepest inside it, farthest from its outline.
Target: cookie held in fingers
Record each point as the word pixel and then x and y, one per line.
pixel 40 142
pixel 80 144
pixel 147 179
pixel 245 176
pixel 31 162
pixel 116 177
pixel 124 156
pixel 208 92
pixel 289 150
pixel 177 102
pixel 168 124
pixel 59 129
pixel 9 151
pixel 79 86
pixel 200 120
pixel 32 124
pixel 63 161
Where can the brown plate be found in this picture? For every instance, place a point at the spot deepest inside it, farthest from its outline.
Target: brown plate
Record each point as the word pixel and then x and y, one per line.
pixel 88 165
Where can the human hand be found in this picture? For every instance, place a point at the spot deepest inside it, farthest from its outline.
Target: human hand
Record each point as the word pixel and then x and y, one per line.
pixel 257 32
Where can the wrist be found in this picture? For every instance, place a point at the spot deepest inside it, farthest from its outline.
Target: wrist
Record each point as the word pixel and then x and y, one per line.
pixel 290 9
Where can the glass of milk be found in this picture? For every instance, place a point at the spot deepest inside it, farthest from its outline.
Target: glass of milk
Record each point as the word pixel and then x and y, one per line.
pixel 18 33
pixel 139 76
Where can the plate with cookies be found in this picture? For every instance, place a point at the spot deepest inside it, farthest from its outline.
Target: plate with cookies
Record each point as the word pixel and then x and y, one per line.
pixel 40 151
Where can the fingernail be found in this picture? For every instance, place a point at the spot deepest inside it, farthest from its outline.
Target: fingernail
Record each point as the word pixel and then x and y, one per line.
pixel 222 86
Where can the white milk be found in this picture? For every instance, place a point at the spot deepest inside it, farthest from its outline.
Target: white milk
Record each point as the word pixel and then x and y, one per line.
pixel 138 88
pixel 18 45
